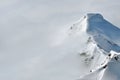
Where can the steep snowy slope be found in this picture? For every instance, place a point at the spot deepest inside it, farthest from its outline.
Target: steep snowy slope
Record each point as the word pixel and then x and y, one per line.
pixel 85 51
pixel 93 38
pixel 104 33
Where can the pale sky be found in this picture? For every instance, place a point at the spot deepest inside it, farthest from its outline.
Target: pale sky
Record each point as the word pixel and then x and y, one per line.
pixel 26 27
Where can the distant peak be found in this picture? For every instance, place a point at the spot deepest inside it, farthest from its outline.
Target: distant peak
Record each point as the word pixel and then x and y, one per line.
pixel 93 15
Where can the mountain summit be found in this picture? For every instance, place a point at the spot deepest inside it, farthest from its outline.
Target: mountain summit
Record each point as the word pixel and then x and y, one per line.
pixel 101 43
pixel 105 34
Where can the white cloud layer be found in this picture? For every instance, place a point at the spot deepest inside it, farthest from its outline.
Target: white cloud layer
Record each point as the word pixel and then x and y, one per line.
pixel 27 28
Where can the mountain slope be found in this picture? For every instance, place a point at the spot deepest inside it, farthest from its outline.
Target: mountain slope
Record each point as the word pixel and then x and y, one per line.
pixel 100 38
pixel 85 51
pixel 101 31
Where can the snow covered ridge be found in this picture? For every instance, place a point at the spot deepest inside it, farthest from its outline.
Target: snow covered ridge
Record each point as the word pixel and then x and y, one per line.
pixel 105 34
pixel 102 44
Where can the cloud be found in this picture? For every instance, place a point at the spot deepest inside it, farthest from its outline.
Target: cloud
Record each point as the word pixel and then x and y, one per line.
pixel 27 28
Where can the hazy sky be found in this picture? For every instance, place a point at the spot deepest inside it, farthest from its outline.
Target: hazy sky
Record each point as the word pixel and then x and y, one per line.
pixel 27 27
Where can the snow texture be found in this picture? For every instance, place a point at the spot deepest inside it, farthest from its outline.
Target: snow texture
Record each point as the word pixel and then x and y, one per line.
pixel 101 47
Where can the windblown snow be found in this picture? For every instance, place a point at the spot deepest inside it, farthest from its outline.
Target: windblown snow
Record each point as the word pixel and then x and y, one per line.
pixel 92 49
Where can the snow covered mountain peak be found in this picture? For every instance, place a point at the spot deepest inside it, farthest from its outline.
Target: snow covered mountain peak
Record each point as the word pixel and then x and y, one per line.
pixel 93 16
pixel 101 43
pixel 91 43
pixel 85 22
pixel 103 33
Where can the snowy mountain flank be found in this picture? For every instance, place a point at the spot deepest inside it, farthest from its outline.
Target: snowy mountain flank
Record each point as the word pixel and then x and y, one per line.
pixel 97 42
